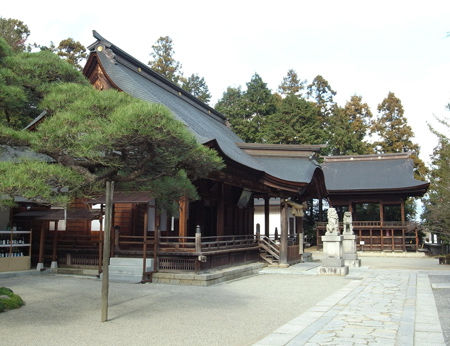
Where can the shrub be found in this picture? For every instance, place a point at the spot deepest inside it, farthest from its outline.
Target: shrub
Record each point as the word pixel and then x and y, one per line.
pixel 9 299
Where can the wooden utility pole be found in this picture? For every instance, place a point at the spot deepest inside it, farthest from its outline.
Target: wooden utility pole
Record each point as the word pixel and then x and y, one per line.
pixel 107 248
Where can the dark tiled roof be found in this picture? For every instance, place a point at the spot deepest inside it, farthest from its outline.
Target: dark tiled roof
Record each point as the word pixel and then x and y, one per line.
pixel 371 174
pixel 290 168
pixel 138 80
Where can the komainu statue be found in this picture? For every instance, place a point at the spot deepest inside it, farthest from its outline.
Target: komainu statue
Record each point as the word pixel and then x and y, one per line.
pixel 348 223
pixel 333 222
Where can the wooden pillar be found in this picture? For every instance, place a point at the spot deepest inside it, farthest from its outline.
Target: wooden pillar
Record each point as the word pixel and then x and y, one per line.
pixel 350 207
pixel 43 235
pixel 100 241
pixel 220 221
pixel 55 243
pixel 107 249
pixel 417 239
pixel 144 246
pixel 381 213
pixel 284 234
pixel 402 211
pixel 266 216
pixel 299 231
pixel 184 215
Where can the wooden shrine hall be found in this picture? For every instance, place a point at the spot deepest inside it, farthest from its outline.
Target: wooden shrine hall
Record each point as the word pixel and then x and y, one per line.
pixel 374 188
pixel 215 231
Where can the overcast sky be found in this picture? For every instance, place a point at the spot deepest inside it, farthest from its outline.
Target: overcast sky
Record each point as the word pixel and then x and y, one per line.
pixel 367 48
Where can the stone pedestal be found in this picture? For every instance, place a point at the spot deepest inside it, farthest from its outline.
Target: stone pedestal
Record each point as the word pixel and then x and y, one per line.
pixel 40 267
pixel 54 265
pixel 349 250
pixel 333 263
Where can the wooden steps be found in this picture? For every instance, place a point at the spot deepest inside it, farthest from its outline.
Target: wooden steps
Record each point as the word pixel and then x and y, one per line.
pixel 269 251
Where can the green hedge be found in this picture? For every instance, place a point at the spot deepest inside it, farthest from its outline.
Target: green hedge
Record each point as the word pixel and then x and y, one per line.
pixel 10 300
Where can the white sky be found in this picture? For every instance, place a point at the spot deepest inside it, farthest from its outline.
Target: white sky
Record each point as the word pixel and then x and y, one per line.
pixel 366 48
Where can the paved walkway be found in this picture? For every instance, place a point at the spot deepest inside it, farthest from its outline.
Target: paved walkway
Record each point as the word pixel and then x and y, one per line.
pixel 378 307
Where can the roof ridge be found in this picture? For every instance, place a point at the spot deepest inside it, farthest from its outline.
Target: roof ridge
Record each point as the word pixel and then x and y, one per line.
pixel 368 157
pixel 167 84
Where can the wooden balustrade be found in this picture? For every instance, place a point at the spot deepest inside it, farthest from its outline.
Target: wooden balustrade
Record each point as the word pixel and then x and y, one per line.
pixel 380 236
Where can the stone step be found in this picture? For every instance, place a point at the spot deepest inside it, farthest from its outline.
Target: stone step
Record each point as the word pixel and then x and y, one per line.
pixel 128 278
pixel 128 261
pixel 126 269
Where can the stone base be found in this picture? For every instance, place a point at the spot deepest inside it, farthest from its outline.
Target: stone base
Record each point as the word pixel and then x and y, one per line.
pixel 354 263
pixel 341 271
pixel 332 262
pixel 40 267
pixel 350 256
pixel 307 257
pixel 54 265
pixel 212 277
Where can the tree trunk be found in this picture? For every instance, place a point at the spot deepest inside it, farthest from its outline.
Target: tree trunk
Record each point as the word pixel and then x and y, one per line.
pixel 106 248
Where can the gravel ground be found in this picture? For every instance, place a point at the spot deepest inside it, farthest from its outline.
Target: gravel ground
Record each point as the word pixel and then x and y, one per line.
pixel 64 310
pixel 442 298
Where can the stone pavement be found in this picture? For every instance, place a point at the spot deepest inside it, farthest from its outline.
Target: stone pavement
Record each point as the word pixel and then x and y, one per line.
pixel 441 290
pixel 377 307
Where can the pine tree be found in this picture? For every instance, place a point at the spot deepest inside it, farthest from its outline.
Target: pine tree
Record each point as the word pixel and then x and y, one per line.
pixel 163 60
pixel 24 80
pixel 72 51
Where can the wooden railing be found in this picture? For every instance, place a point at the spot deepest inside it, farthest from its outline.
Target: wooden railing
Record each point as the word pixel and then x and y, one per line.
pixel 270 247
pixel 227 242
pixel 380 235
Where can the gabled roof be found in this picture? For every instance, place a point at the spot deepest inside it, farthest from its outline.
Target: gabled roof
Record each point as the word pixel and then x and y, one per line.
pixel 386 173
pixel 136 79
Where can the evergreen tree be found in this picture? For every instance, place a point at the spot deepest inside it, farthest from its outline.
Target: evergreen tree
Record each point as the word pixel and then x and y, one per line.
pixel 394 132
pixel 322 93
pixel 437 202
pixel 247 111
pixel 24 80
pixel 348 128
pixel 95 136
pixel 196 86
pixel 72 51
pixel 15 32
pixel 232 104
pixel 297 121
pixel 291 84
pixel 163 60
pixel 260 101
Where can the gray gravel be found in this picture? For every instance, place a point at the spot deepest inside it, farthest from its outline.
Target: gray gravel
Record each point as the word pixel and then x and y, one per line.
pixel 62 310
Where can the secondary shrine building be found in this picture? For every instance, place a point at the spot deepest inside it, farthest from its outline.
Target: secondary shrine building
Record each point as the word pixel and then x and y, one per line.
pixel 374 188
